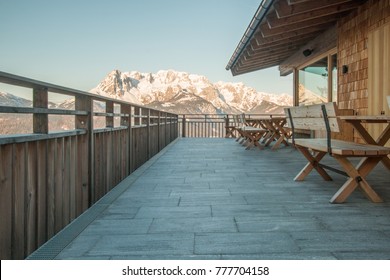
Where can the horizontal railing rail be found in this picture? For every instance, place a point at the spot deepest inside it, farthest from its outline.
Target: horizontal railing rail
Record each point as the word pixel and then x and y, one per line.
pixel 50 177
pixel 210 125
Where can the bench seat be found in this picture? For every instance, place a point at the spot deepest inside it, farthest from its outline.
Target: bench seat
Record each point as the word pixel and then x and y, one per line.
pixel 325 117
pixel 343 148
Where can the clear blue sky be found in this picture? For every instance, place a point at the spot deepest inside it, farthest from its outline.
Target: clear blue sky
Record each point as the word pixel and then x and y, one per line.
pixel 75 43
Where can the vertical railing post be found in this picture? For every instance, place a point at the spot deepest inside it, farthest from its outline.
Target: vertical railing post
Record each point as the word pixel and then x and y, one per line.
pixel 126 121
pixel 205 126
pixel 183 127
pixel 148 134
pixel 227 132
pixel 109 110
pixel 40 121
pixel 158 133
pixel 85 151
pixel 131 124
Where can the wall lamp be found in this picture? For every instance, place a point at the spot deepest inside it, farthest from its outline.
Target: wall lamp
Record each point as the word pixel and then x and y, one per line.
pixel 344 69
pixel 307 52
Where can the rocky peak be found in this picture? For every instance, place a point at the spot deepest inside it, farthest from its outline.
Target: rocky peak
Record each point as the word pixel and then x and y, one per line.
pixel 159 88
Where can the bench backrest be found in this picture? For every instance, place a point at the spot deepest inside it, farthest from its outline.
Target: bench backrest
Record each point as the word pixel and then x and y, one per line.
pixel 312 117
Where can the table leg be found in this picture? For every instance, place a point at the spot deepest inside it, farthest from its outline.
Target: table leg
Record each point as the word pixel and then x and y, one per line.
pixel 381 141
pixel 357 178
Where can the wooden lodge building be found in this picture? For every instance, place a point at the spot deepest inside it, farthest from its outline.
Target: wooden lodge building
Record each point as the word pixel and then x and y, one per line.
pixel 337 50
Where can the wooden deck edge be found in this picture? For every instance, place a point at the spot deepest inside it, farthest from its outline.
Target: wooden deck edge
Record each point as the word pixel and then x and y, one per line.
pixel 53 247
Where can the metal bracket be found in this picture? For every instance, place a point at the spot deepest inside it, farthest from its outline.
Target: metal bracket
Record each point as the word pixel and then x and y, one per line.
pixel 328 132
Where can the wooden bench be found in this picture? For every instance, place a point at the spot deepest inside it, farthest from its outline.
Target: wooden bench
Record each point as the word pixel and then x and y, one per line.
pixel 249 135
pixel 324 117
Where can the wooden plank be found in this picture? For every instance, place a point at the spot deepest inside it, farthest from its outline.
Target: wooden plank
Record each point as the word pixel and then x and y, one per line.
pixel 116 158
pixel 14 139
pixel 313 111
pixel 27 110
pixel 6 211
pixel 19 202
pixel 344 148
pixel 31 198
pixel 86 172
pixel 72 178
pixel 314 123
pixel 124 154
pixel 66 181
pixel 58 181
pixel 41 192
pixel 98 164
pixel 51 161
pixel 109 164
pixel 378 73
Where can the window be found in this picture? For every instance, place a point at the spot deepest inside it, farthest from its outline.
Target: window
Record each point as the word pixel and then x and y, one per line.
pixel 316 84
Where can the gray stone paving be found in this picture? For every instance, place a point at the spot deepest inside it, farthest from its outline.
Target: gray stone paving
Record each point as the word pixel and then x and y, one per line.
pixel 212 199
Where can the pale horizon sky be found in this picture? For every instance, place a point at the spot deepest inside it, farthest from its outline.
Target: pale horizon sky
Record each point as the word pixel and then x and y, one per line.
pixel 77 43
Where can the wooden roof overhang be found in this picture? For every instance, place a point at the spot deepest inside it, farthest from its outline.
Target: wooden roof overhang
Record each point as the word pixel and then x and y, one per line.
pixel 282 29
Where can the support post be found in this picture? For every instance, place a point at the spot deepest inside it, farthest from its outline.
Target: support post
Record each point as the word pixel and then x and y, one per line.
pixel 148 133
pixel 40 121
pixel 227 124
pixel 183 127
pixel 109 110
pixel 126 121
pixel 85 147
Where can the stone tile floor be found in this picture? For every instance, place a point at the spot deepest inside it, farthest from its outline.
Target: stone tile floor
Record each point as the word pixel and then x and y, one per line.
pixel 212 199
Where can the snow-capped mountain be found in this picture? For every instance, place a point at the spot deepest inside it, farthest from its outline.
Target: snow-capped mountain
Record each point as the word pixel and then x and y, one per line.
pixel 184 93
pixel 7 99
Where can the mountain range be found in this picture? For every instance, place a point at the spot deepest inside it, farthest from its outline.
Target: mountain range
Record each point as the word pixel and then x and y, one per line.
pixel 166 90
pixel 184 93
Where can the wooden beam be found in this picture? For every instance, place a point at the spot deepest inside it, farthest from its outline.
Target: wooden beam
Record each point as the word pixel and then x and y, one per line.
pixel 109 118
pixel 273 61
pixel 283 9
pixel 296 87
pixel 320 45
pixel 338 11
pixel 267 54
pixel 259 52
pixel 28 110
pixel 292 2
pixel 267 31
pixel 253 47
pixel 315 30
pixel 40 120
pixel 236 71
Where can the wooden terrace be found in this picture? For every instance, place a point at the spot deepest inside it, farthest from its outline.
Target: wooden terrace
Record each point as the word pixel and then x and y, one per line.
pixel 209 198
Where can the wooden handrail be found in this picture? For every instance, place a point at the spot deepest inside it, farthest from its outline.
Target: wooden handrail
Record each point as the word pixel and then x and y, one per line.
pixel 49 178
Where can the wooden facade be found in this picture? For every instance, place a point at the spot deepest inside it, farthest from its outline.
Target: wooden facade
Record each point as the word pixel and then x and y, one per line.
pixel 352 37
pixel 47 179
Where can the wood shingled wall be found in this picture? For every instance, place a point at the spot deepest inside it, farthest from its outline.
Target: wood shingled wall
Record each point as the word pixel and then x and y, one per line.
pixel 353 33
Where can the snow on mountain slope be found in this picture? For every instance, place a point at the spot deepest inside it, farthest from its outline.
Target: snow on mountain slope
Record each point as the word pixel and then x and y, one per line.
pixel 159 90
pixel 7 99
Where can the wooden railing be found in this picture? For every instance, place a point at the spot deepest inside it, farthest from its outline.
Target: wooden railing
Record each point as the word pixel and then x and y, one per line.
pixel 47 178
pixel 209 125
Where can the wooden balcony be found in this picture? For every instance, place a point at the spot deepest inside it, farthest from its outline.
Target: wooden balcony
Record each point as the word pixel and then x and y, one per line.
pixel 134 190
pixel 209 198
pixel 49 178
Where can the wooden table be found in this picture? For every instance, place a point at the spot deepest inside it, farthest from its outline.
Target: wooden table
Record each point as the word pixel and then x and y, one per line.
pixel 275 126
pixel 358 121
